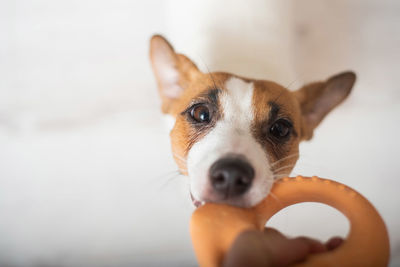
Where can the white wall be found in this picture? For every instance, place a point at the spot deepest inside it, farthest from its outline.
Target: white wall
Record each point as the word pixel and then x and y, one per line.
pixel 68 59
pixel 86 178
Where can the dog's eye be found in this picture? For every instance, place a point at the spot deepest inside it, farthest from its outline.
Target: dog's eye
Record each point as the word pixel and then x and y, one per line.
pixel 200 113
pixel 281 129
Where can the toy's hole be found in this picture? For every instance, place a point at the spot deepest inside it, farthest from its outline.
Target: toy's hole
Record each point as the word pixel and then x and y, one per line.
pixel 313 220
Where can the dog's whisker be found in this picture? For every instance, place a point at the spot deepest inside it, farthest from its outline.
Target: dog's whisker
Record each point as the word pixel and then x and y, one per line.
pixel 296 79
pixel 180 161
pixel 183 160
pixel 164 175
pixel 283 168
pixel 178 156
pixel 281 175
pixel 215 83
pixel 170 179
pixel 276 198
pixel 284 158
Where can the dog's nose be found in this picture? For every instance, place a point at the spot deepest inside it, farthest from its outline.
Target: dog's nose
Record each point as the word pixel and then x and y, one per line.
pixel 231 176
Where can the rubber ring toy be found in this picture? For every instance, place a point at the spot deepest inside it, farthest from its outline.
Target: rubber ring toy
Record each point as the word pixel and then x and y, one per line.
pixel 214 227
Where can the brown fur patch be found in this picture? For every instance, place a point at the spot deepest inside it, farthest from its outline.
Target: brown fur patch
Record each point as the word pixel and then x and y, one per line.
pixel 184 134
pixel 271 102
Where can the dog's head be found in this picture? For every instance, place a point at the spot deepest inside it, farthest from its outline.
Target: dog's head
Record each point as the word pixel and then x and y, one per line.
pixel 234 136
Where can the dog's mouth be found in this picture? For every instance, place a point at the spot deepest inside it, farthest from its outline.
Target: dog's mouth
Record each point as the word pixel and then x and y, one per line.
pixel 196 203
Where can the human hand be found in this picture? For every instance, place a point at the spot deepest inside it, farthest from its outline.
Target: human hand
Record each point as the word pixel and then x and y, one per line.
pixel 272 249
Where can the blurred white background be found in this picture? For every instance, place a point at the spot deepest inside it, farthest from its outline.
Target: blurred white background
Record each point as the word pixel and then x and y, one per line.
pixel 86 177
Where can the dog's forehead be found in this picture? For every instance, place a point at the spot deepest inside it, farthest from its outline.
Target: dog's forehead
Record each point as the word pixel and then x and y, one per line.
pixel 255 96
pixel 267 94
pixel 238 96
pixel 236 99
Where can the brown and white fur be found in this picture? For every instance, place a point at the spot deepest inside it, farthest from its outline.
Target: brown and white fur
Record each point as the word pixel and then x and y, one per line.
pixel 249 129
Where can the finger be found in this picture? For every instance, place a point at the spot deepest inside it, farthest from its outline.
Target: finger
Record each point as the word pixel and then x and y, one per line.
pixel 269 230
pixel 285 251
pixel 289 251
pixel 274 234
pixel 248 249
pixel 334 242
pixel 314 246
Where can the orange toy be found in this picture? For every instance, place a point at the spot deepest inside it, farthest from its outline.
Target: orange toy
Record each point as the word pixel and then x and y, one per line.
pixel 214 227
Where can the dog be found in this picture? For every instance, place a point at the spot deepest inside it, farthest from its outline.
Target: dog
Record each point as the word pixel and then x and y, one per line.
pixel 234 136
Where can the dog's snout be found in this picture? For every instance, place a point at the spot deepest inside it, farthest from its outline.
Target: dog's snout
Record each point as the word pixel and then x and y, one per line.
pixel 231 176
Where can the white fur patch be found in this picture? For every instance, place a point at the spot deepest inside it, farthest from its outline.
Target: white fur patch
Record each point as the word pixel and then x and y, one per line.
pixel 169 122
pixel 231 135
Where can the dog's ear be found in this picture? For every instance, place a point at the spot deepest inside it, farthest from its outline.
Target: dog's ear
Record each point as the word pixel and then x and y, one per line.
pixel 173 71
pixel 319 98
